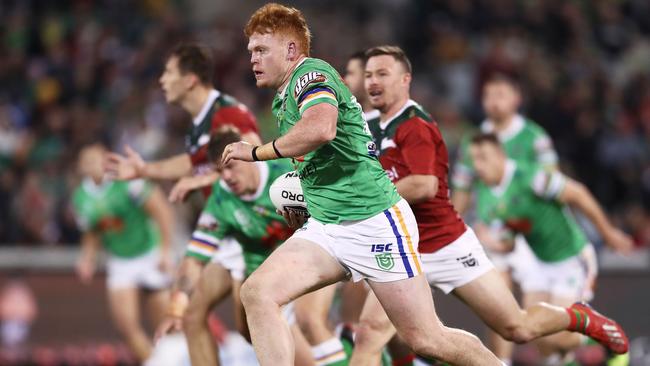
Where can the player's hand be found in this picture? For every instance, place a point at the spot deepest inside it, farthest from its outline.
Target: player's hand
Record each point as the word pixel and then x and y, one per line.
pixel 619 241
pixel 293 220
pixel 491 241
pixel 186 185
pixel 85 270
pixel 237 151
pixel 168 325
pixel 129 166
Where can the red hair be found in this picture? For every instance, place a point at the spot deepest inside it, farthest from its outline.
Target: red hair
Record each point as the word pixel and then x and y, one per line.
pixel 276 18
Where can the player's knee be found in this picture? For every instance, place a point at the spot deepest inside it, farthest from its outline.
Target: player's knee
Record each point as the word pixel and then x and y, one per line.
pixel 127 327
pixel 516 331
pixel 193 321
pixel 371 331
pixel 252 294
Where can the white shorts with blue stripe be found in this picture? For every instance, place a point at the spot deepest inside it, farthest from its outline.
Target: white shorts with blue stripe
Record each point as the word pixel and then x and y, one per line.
pixel 382 248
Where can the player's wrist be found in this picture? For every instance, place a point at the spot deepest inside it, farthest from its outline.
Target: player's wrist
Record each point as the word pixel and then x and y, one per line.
pixel 178 304
pixel 268 151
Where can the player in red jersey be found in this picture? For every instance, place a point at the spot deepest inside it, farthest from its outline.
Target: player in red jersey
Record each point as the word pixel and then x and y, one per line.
pixel 187 82
pixel 413 153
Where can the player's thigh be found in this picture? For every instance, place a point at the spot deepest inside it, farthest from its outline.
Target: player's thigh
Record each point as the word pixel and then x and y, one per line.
pixel 315 304
pixel 296 267
pixel 409 306
pixel 156 302
pixel 212 287
pixel 238 309
pixel 124 307
pixel 491 299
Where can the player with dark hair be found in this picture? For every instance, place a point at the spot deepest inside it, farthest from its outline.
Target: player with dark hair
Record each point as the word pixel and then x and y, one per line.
pixel 238 210
pixel 134 223
pixel 452 257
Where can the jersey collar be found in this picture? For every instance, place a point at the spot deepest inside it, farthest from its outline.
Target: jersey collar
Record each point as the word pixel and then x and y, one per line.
pixel 384 124
pixel 508 173
pixel 372 114
pixel 284 91
pixel 95 189
pixel 516 125
pixel 263 168
pixel 212 96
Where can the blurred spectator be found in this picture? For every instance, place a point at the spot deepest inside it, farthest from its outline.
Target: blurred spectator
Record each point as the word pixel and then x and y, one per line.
pixel 18 310
pixel 75 71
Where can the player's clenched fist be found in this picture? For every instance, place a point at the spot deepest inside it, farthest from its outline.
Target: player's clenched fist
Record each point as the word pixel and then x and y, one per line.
pixel 237 151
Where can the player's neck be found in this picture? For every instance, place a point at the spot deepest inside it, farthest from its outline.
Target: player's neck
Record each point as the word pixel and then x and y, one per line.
pixel 503 123
pixel 287 75
pixel 254 181
pixel 195 100
pixel 393 109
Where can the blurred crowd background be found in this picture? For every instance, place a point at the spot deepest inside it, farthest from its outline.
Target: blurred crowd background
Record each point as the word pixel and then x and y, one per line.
pixel 75 71
pixel 78 71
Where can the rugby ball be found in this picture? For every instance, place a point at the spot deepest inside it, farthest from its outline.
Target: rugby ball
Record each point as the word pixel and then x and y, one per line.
pixel 286 194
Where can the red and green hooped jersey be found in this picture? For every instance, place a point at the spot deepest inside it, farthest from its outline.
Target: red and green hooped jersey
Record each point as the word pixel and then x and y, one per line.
pixel 219 110
pixel 251 220
pixel 342 180
pixel 114 211
pixel 411 143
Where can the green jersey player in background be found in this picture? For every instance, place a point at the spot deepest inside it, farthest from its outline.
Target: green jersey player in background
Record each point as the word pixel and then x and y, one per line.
pixel 134 223
pixel 238 209
pixel 525 141
pixel 529 200
pixel 352 203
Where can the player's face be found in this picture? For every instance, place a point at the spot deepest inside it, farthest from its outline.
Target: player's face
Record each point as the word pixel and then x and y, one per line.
pixel 354 78
pixel 173 83
pixel 269 59
pixel 500 100
pixel 238 175
pixel 386 82
pixel 488 162
pixel 91 162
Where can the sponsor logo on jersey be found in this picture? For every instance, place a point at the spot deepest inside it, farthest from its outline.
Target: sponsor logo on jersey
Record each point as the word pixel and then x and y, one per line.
pixel 380 248
pixel 306 79
pixel 372 149
pixel 307 171
pixel 468 261
pixel 385 261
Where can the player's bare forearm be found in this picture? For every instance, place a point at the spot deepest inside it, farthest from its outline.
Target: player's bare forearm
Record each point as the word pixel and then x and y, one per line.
pixel 162 214
pixel 577 195
pixel 89 245
pixel 172 168
pixel 460 199
pixel 316 128
pixel 417 188
pixel 188 275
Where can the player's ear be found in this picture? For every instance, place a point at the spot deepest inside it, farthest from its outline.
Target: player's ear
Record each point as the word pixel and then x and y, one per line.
pixel 407 78
pixel 292 51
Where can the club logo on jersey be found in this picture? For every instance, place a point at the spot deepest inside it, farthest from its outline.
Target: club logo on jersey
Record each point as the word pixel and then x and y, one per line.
pixel 306 79
pixel 468 261
pixel 385 261
pixel 372 149
pixel 207 222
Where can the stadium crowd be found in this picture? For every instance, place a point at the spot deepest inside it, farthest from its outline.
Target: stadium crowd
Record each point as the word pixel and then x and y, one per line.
pixel 72 72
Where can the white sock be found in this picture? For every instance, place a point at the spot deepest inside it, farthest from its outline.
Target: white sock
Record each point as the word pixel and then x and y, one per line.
pixel 328 352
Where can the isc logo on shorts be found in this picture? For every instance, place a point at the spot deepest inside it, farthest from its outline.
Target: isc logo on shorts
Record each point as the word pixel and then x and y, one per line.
pixel 380 248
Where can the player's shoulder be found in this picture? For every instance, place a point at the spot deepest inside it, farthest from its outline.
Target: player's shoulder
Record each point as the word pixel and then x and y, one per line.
pixel 415 115
pixel 533 128
pixel 528 171
pixel 311 71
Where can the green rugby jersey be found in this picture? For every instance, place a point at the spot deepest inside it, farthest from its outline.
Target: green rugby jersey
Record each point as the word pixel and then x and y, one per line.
pixel 251 220
pixel 526 202
pixel 114 210
pixel 524 141
pixel 342 180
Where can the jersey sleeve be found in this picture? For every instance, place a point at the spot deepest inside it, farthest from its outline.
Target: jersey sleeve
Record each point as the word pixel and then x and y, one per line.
pixel 206 236
pixel 314 87
pixel 415 140
pixel 544 151
pixel 238 116
pixel 463 171
pixel 139 190
pixel 548 184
